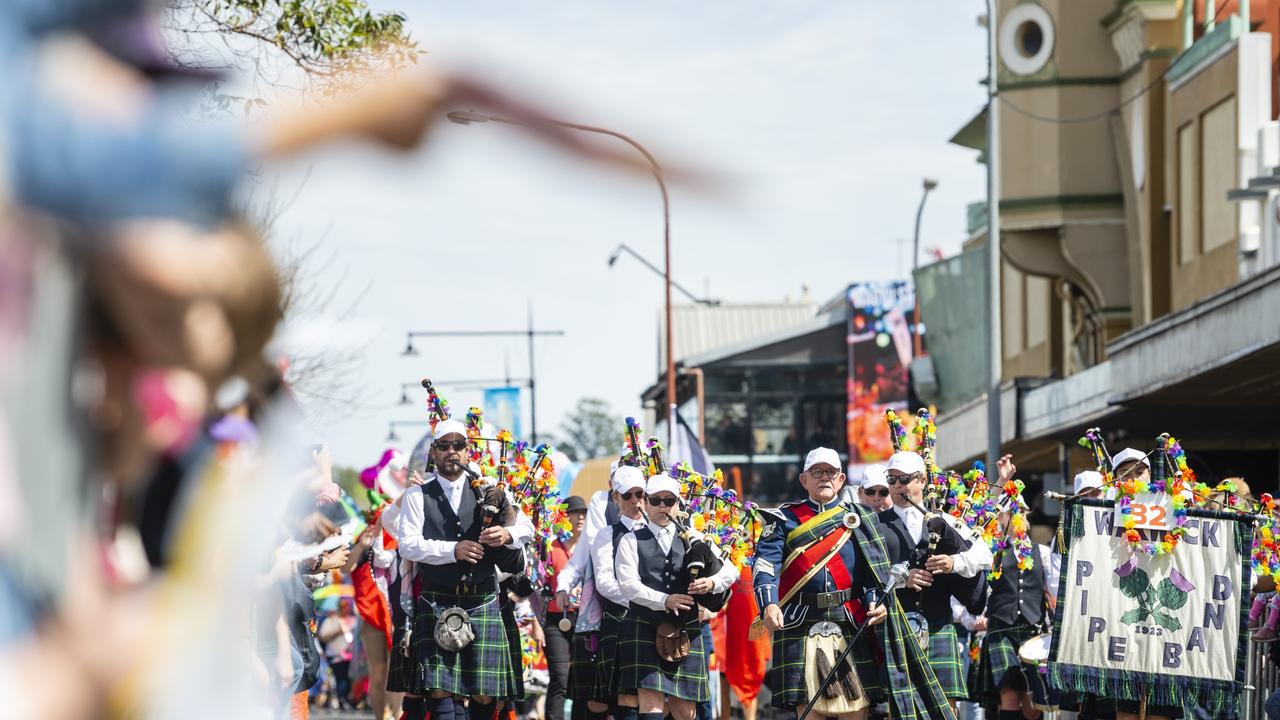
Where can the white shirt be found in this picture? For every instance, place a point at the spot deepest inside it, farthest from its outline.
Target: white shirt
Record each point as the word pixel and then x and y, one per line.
pixel 605 563
pixel 576 569
pixel 966 564
pixel 628 568
pixel 408 525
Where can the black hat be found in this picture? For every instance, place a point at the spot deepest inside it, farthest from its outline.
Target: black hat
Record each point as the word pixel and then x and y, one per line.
pixel 576 504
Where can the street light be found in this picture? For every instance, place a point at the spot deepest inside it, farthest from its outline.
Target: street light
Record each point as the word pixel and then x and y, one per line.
pixel 929 184
pixel 467 117
pixel 476 384
pixel 613 258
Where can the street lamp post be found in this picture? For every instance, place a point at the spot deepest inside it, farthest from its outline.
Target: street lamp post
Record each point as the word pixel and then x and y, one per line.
pixel 929 184
pixel 530 333
pixel 473 384
pixel 994 357
pixel 624 248
pixel 467 117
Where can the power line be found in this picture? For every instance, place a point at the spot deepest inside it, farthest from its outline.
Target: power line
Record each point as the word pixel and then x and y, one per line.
pixel 1097 116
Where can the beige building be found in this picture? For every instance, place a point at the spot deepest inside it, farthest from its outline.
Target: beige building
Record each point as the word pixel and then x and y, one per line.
pixel 1140 286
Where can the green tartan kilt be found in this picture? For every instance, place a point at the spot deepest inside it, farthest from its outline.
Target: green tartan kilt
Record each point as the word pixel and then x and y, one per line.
pixel 593 669
pixel 481 668
pixel 786 677
pixel 999 658
pixel 947 662
pixel 639 666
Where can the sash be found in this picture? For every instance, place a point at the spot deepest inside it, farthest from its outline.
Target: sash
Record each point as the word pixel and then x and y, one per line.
pixel 816 544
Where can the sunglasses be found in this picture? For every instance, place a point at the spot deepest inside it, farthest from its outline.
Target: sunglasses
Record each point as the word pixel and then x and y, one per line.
pixel 663 502
pixel 878 492
pixel 445 445
pixel 633 495
pixel 899 479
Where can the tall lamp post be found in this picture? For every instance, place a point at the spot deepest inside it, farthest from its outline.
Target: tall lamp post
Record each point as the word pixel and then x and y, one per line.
pixel 467 117
pixel 994 357
pixel 624 248
pixel 929 184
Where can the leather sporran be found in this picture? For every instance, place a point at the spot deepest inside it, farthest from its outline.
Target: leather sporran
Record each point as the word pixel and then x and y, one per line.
pixel 453 629
pixel 672 643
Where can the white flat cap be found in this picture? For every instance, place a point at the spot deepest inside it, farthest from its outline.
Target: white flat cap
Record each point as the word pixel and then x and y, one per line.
pixel 906 462
pixel 1087 479
pixel 627 478
pixel 1128 454
pixel 873 476
pixel 449 427
pixel 661 482
pixel 823 456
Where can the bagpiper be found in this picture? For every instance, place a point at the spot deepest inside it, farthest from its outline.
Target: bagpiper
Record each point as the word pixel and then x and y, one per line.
pixel 593 676
pixel 459 644
pixel 820 575
pixel 927 594
pixel 662 654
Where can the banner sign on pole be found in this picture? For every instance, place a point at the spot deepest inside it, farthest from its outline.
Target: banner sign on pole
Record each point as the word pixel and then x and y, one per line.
pixel 1165 628
pixel 502 409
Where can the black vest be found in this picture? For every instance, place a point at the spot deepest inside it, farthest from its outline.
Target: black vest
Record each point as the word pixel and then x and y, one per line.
pixel 611 514
pixel 1017 594
pixel 658 571
pixel 619 530
pixel 439 522
pixel 934 602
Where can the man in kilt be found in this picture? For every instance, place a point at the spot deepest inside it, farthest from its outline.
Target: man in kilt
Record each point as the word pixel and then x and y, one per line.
pixel 593 674
pixel 649 564
pixel 456 570
pixel 1017 610
pixel 906 536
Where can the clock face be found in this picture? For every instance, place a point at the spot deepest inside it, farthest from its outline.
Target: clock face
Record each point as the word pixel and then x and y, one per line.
pixel 1026 39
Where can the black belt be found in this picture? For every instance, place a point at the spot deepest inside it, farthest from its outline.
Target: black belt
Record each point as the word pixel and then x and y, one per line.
pixel 826 599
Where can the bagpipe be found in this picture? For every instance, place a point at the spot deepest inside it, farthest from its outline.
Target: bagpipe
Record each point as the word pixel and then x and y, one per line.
pixel 700 560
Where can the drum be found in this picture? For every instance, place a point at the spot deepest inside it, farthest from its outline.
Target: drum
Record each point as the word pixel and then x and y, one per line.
pixel 1034 654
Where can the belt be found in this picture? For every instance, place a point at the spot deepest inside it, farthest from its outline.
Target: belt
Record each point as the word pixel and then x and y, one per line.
pixel 826 599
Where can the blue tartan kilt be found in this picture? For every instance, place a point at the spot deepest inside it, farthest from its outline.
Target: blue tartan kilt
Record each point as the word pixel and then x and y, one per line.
pixel 786 677
pixel 593 670
pixel 484 667
pixel 947 662
pixel 998 664
pixel 639 666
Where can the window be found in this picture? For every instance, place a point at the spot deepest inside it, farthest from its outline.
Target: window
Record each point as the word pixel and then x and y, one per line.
pixel 1026 39
pixel 1218 215
pixel 727 428
pixel 1188 193
pixel 1038 289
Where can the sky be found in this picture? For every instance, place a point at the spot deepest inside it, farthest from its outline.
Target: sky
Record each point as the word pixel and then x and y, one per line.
pixel 821 118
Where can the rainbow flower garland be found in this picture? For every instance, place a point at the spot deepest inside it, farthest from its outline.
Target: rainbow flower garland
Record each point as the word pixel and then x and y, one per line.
pixel 1128 488
pixel 1016 533
pixel 726 522
pixel 897 432
pixel 1265 555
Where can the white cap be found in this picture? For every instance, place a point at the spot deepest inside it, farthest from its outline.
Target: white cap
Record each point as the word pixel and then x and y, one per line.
pixel 627 478
pixel 873 476
pixel 1087 479
pixel 662 482
pixel 449 427
pixel 1128 454
pixel 906 462
pixel 822 455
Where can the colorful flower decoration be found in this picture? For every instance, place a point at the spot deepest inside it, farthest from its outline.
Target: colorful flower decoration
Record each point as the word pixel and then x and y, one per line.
pixel 717 513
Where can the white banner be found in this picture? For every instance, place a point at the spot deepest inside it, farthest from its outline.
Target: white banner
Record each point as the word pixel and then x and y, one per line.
pixel 1176 614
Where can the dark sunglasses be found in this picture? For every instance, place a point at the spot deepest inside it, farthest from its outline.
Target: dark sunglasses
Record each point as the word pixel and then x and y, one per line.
pixel 633 495
pixel 445 445
pixel 899 479
pixel 663 502
pixel 878 492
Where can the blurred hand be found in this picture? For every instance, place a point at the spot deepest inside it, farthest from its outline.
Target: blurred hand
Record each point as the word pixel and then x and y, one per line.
pixel 468 551
pixel 980 625
pixel 940 564
pixel 919 579
pixel 496 536
pixel 772 617
pixel 877 613
pixel 335 558
pixel 1005 469
pixel 678 601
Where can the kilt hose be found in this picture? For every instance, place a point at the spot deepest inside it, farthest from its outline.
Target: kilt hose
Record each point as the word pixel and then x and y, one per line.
pixel 947 662
pixel 996 661
pixel 639 666
pixel 593 670
pixel 786 677
pixel 481 668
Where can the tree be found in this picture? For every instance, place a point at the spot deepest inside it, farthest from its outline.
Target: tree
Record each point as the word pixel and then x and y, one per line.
pixel 591 430
pixel 329 40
